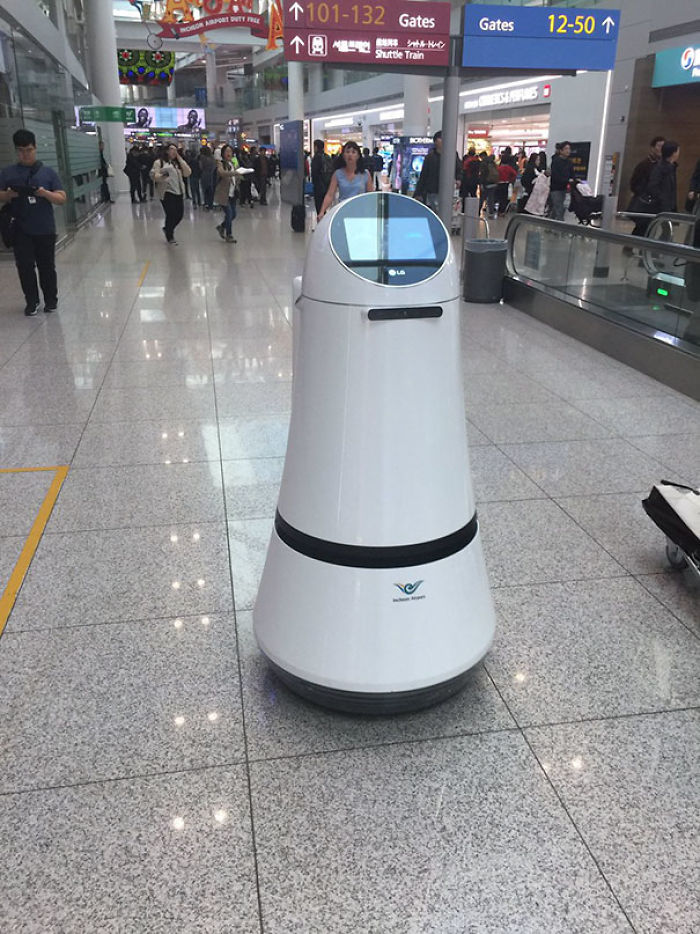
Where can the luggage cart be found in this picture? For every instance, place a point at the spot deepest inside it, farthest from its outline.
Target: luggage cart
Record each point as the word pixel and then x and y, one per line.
pixel 675 509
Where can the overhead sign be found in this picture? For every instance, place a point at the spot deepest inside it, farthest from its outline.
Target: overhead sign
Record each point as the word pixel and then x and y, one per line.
pixel 393 32
pixel 107 115
pixel 676 66
pixel 538 37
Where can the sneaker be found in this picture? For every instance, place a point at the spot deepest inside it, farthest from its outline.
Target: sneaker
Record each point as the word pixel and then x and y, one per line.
pixel 31 309
pixel 172 242
pixel 231 240
pixel 49 307
pixel 220 231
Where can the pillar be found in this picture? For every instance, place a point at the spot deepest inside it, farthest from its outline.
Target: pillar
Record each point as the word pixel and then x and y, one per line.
pixel 315 78
pixel 212 93
pixel 295 76
pixel 172 96
pixel 416 90
pixel 104 79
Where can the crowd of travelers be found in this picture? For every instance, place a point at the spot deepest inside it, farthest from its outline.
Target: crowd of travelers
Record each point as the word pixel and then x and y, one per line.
pixel 226 178
pixel 219 176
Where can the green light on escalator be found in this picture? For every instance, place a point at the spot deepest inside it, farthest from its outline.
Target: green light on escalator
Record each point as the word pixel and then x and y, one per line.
pixel 663 292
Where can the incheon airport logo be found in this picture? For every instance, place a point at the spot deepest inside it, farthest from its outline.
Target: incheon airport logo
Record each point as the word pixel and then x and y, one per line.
pixel 409 589
pixel 689 58
pixel 409 592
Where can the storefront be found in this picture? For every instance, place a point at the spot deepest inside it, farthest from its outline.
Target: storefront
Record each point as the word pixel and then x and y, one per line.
pixel 518 116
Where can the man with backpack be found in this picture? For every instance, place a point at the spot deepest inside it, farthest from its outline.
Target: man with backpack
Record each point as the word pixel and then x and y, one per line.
pixel 469 183
pixel 321 173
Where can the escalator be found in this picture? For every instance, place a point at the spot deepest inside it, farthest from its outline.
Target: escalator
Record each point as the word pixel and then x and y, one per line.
pixel 635 298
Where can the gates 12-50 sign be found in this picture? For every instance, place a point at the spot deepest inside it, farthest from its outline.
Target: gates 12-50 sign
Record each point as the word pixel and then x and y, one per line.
pixel 388 33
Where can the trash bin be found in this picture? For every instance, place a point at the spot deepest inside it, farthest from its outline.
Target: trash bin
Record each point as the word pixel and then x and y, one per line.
pixel 484 270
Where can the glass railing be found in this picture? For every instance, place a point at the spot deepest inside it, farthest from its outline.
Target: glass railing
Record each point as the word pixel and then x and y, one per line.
pixel 650 284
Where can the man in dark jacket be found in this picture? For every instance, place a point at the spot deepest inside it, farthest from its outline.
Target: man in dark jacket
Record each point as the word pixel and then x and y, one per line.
pixel 428 187
pixel 662 182
pixel 261 168
pixel 640 182
pixel 321 172
pixel 32 189
pixel 562 174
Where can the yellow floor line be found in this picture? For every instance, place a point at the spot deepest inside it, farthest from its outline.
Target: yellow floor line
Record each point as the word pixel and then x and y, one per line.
pixel 144 273
pixel 7 601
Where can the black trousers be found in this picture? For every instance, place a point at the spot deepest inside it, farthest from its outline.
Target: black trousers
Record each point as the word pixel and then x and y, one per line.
pixel 135 188
pixel 147 186
pixel 174 207
pixel 319 195
pixel 37 252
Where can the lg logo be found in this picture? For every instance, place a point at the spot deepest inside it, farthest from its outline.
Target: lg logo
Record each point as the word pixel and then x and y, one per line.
pixel 397 272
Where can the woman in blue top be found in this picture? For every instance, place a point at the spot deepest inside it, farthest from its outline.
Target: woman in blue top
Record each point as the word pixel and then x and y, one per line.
pixel 349 179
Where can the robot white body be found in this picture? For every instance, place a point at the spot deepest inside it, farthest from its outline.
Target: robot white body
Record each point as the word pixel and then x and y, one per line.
pixel 374 596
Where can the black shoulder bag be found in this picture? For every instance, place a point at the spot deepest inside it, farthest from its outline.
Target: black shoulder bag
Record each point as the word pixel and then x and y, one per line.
pixel 8 220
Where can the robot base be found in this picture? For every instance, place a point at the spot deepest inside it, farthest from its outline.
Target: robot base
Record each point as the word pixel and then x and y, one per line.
pixel 374 640
pixel 360 702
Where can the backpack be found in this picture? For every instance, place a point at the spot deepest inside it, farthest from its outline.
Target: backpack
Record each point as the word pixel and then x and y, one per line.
pixel 492 174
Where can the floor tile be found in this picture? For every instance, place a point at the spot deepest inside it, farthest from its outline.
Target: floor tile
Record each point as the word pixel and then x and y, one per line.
pixel 190 374
pixel 166 441
pixel 158 855
pixel 631 788
pixel 678 453
pixel 278 723
pixel 562 652
pixel 505 385
pixel 248 543
pixel 252 487
pixel 152 402
pixel 496 477
pixel 244 368
pixel 658 416
pixel 141 495
pixel 253 399
pixel 37 408
pixel 585 468
pixel 10 550
pixel 475 436
pixel 458 835
pixel 679 593
pixel 243 438
pixel 98 577
pixel 517 423
pixel 21 496
pixel 118 700
pixel 620 525
pixel 532 541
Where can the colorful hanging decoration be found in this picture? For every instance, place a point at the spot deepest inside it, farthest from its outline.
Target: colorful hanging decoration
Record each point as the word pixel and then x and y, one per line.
pixel 140 67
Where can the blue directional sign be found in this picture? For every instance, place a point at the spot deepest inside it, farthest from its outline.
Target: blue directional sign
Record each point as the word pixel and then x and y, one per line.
pixel 539 37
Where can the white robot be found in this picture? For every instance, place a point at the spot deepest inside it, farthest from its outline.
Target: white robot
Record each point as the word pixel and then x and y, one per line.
pixel 374 597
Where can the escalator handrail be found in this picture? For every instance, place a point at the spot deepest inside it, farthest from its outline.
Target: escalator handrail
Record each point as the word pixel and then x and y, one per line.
pixel 687 253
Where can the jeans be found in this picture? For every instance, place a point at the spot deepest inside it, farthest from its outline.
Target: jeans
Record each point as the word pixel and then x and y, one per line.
pixel 208 188
pixel 174 208
pixel 557 199
pixel 40 252
pixel 229 214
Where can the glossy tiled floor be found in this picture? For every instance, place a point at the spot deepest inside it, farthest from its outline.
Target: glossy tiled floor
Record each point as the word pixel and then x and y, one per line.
pixel 155 777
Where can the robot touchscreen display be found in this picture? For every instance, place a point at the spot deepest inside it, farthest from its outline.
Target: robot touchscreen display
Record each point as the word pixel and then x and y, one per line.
pixel 400 239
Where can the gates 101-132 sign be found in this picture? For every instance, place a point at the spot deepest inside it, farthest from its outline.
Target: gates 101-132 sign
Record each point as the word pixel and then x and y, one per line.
pixel 392 32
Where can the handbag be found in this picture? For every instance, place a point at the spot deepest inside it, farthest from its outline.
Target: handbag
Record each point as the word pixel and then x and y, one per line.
pixel 110 171
pixel 7 226
pixel 642 204
pixel 8 221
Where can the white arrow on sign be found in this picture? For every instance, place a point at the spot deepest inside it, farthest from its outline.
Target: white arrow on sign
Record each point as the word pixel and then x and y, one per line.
pixel 297 9
pixel 608 22
pixel 297 41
